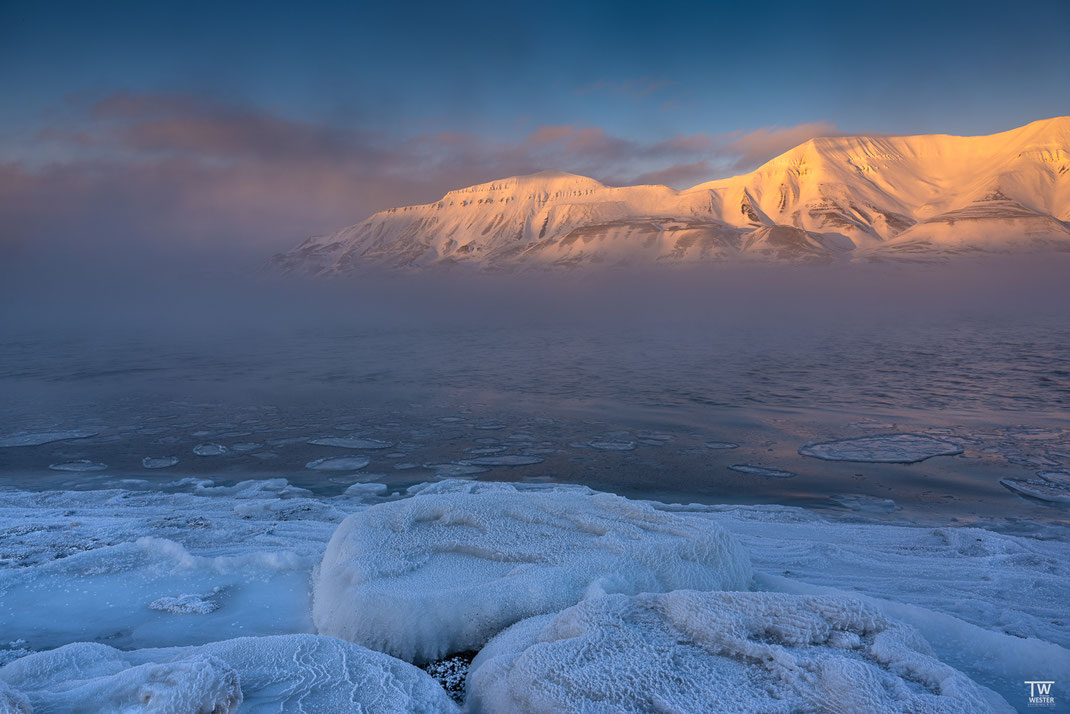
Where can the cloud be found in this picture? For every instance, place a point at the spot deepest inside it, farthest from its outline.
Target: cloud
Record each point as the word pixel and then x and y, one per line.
pixel 755 147
pixel 174 173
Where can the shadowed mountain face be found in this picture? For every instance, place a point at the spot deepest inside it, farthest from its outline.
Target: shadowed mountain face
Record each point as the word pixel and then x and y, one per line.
pixel 851 198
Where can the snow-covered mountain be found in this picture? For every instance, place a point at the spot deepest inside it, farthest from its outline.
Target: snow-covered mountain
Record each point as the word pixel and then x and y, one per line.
pixel 847 198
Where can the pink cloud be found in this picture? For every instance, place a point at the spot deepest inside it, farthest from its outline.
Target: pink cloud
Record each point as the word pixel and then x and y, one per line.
pixel 174 170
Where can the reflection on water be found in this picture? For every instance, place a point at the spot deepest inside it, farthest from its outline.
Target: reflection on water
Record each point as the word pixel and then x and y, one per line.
pixel 650 409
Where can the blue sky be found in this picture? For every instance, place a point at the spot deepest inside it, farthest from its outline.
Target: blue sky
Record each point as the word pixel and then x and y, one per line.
pixel 374 105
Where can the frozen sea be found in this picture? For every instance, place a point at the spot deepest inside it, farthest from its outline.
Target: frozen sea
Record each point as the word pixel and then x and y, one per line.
pixel 662 411
pixel 191 512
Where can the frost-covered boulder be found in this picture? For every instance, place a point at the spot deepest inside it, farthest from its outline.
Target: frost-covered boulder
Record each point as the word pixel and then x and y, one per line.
pixel 449 568
pixel 287 673
pixel 12 701
pixel 718 652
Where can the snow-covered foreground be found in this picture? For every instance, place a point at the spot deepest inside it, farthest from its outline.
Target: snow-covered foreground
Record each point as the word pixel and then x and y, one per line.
pixel 218 599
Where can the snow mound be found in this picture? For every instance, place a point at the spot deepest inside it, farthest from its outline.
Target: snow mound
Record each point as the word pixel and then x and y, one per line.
pixel 45 437
pixel 444 571
pixel 718 651
pixel 286 673
pixel 885 449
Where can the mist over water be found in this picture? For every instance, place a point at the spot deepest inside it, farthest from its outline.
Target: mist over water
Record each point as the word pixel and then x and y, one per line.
pixel 450 367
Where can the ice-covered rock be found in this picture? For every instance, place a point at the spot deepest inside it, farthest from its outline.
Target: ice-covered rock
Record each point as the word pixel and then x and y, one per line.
pixel 351 442
pixel 299 674
pixel 12 701
pixel 718 652
pixel 447 569
pixel 339 463
pixel 24 438
pixel 884 448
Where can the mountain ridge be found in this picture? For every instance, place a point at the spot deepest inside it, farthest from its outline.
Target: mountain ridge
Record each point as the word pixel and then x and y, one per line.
pixel 869 198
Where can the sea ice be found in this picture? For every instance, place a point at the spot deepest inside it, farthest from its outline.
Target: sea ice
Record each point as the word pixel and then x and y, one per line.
pixel 299 674
pixel 718 652
pixel 865 504
pixel 484 450
pixel 612 445
pixel 885 448
pixel 23 438
pixel 721 445
pixel 339 463
pixel 242 446
pixel 351 442
pixel 455 470
pixel 78 466
pixel 162 462
pixel 447 569
pixel 1051 486
pixel 209 450
pixel 761 471
pixel 505 460
pixel 189 604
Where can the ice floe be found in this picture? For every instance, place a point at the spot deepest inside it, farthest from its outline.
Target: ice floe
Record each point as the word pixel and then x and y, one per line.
pixel 78 466
pixel 721 445
pixel 447 569
pixel 339 463
pixel 188 604
pixel 505 460
pixel 718 651
pixel 159 462
pixel 606 445
pixel 455 470
pixel 885 448
pixel 43 437
pixel 1051 486
pixel 764 471
pixel 299 674
pixel 210 450
pixel 351 442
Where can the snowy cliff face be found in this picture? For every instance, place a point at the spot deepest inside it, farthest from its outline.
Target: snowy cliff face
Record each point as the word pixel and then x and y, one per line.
pixel 914 197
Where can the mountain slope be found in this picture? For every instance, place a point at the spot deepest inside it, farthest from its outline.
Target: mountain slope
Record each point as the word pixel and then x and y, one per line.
pixel 872 198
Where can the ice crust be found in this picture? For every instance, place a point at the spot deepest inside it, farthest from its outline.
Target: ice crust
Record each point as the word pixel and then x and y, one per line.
pixel 718 652
pixel 884 448
pixel 302 674
pixel 447 569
